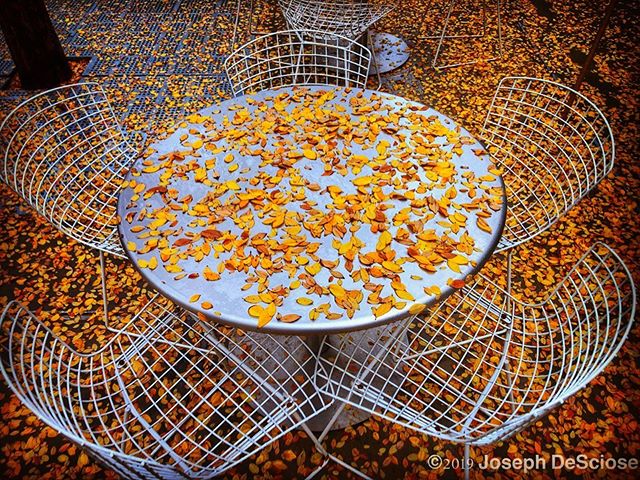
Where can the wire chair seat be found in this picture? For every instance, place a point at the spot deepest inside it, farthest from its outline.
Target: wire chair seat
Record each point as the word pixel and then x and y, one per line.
pixel 553 146
pixel 349 18
pixel 66 156
pixel 484 364
pixel 168 397
pixel 297 57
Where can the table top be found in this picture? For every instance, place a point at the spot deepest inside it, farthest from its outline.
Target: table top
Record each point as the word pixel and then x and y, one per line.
pixel 311 210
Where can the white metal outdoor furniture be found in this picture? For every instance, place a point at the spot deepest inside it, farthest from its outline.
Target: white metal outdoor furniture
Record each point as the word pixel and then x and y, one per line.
pixel 553 145
pixel 168 397
pixel 223 179
pixel 446 28
pixel 485 364
pixel 333 216
pixel 228 193
pixel 297 57
pixel 66 155
pixel 351 19
pixel 347 18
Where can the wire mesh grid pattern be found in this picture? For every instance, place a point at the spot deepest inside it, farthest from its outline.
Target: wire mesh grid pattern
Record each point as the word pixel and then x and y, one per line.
pixel 67 156
pixel 167 397
pixel 297 57
pixel 553 146
pixel 484 364
pixel 349 18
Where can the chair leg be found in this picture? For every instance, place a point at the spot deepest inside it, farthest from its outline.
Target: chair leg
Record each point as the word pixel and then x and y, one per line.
pixel 508 372
pixel 442 34
pixel 103 278
pixel 317 440
pixel 375 60
pixel 466 461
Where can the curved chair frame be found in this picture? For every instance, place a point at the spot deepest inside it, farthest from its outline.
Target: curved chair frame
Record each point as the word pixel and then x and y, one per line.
pixel 553 146
pixel 168 397
pixel 484 364
pixel 66 155
pixel 348 18
pixel 297 57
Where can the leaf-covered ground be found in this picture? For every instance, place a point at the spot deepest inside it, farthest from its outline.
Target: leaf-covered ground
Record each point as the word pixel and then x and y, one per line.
pixel 162 59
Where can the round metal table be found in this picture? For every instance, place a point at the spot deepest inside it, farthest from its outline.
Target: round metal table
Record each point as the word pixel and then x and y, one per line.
pixel 311 211
pixel 217 154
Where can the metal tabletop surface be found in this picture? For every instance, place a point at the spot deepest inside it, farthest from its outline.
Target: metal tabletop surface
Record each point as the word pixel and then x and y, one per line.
pixel 311 210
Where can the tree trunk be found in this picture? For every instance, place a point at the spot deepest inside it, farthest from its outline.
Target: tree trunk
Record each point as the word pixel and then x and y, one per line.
pixel 594 46
pixel 34 44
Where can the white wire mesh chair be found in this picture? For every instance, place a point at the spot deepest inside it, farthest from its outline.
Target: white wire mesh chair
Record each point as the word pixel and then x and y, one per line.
pixel 348 18
pixel 168 397
pixel 553 146
pixel 66 155
pixel 485 364
pixel 444 34
pixel 297 58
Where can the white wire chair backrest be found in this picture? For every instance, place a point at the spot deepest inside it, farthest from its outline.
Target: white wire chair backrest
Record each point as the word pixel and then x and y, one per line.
pixel 484 364
pixel 295 57
pixel 349 18
pixel 169 397
pixel 553 146
pixel 66 156
pixel 559 345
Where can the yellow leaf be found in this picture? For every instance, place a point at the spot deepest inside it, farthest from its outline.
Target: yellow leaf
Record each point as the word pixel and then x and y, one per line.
pixel 383 240
pixel 403 294
pixel 362 181
pixel 337 290
pixel 394 267
pixel 483 225
pixel 83 460
pixel 313 269
pixel 290 318
pixel 381 148
pixel 416 308
pixel 310 154
pixel 381 309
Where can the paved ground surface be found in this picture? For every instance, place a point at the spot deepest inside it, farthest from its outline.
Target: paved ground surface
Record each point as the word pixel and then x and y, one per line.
pixel 160 60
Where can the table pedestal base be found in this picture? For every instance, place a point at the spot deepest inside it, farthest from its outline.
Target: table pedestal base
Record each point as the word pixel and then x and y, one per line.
pixel 272 363
pixel 349 416
pixel 390 52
